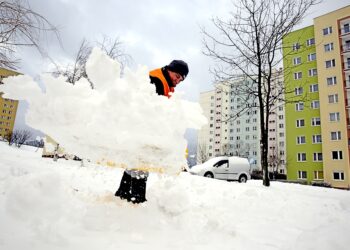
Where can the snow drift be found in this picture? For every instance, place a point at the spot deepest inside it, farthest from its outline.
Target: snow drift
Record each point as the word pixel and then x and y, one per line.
pixel 122 119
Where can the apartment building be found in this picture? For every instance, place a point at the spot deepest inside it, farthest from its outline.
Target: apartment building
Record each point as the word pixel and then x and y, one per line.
pixel 8 108
pixel 244 127
pixel 332 34
pixel 234 126
pixel 303 126
pixel 205 141
pixel 317 71
pixel 213 137
pixel 276 132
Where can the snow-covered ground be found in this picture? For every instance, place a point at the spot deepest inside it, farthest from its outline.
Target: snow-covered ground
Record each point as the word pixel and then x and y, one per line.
pixel 61 205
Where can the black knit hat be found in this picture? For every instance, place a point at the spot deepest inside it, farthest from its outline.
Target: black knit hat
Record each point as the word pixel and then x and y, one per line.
pixel 180 67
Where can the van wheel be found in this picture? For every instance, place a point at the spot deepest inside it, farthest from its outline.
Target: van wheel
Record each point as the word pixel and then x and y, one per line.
pixel 209 175
pixel 243 178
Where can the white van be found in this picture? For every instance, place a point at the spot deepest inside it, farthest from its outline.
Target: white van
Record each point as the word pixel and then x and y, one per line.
pixel 224 168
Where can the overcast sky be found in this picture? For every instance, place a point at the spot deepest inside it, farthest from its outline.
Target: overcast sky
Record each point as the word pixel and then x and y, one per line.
pixel 154 32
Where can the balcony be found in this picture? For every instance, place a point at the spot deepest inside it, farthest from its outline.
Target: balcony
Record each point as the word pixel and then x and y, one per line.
pixel 345 48
pixel 347 84
pixel 345 30
pixel 346 65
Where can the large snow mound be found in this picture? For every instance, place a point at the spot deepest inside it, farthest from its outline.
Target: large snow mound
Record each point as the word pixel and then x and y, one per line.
pixel 60 205
pixel 122 119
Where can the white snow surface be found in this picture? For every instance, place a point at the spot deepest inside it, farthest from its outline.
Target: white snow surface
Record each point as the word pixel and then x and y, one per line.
pixel 121 120
pixel 60 205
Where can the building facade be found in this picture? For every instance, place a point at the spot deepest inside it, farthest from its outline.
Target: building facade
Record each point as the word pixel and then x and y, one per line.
pixel 233 127
pixel 8 108
pixel 316 71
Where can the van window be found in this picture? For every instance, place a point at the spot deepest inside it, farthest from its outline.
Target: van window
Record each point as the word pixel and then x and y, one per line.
pixel 222 163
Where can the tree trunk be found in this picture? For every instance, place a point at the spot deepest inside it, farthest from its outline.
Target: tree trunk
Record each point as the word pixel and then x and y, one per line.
pixel 264 156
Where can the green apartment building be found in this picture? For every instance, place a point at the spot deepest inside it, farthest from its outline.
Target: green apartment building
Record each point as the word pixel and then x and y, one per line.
pixel 317 81
pixel 303 124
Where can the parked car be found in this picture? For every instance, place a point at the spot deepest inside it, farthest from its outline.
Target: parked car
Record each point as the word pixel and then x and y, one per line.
pixel 224 168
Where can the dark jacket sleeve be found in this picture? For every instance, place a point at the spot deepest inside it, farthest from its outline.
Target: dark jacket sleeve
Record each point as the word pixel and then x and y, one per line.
pixel 158 84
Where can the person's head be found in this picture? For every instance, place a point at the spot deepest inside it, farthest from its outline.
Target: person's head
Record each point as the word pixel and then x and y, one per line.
pixel 178 71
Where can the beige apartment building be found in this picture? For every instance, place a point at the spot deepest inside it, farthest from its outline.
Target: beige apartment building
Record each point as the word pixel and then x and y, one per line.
pixel 8 108
pixel 332 37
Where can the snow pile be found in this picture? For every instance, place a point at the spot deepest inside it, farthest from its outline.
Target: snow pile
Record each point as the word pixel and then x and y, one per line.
pixel 121 120
pixel 60 205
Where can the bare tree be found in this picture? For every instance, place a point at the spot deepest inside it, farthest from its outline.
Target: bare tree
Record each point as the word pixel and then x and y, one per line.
pixel 76 70
pixel 8 137
pixel 225 149
pixel 241 148
pixel 275 160
pixel 202 153
pixel 248 45
pixel 20 136
pixel 115 50
pixel 73 72
pixel 20 26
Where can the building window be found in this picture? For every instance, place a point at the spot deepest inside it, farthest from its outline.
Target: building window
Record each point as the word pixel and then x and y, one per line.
pixel 331 81
pixel 333 98
pixel 347 45
pixel 314 88
pixel 328 47
pixel 301 140
pixel 302 175
pixel 318 175
pixel 281 125
pixel 300 123
pixel 334 116
pixel 338 176
pixel 337 155
pixel 297 60
pixel 346 28
pixel 316 139
pixel 315 121
pixel 311 57
pixel 315 104
pixel 312 72
pixel 298 91
pixel 318 156
pixel 327 31
pixel 299 106
pixel 298 75
pixel 296 46
pixel 310 41
pixel 330 63
pixel 335 135
pixel 301 157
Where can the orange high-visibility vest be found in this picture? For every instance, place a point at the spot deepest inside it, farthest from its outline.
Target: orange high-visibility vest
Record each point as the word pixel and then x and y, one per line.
pixel 159 74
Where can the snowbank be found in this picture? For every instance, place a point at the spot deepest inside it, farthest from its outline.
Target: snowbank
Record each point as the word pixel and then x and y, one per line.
pixel 48 205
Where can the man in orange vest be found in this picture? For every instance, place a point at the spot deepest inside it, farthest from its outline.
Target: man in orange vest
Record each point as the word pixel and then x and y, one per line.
pixel 133 183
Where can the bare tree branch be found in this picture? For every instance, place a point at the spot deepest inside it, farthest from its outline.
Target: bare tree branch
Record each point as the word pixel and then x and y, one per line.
pixel 76 70
pixel 20 26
